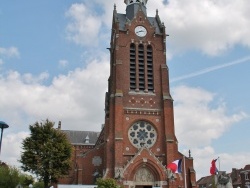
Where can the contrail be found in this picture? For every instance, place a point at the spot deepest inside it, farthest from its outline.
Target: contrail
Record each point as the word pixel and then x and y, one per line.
pixel 210 69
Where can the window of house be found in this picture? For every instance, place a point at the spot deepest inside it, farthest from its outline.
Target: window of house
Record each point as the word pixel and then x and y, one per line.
pixel 246 176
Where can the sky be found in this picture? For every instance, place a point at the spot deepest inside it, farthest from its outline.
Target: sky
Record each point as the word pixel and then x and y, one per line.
pixel 54 63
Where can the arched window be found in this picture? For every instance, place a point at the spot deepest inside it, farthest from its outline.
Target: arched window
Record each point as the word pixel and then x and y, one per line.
pixel 150 68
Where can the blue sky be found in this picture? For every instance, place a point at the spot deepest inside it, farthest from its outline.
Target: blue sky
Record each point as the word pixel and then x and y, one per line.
pixel 54 62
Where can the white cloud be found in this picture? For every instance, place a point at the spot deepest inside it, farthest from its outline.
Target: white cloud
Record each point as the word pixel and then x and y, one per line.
pixel 208 26
pixel 11 147
pixel 198 122
pixel 84 26
pixel 211 27
pixel 204 156
pixel 24 99
pixel 9 52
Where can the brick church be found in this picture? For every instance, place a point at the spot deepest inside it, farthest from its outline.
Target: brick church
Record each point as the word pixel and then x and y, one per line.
pixel 138 138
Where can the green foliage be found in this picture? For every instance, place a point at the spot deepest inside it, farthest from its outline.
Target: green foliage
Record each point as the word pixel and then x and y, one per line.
pixel 10 177
pixel 38 185
pixel 25 180
pixel 46 152
pixel 106 183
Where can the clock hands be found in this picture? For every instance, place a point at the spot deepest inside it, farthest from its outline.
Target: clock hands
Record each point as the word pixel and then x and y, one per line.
pixel 139 31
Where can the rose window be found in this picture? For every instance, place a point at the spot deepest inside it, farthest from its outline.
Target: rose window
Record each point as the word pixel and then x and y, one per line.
pixel 142 134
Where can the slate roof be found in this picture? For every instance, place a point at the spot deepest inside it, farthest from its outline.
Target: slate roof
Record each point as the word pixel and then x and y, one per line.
pixel 131 11
pixel 82 137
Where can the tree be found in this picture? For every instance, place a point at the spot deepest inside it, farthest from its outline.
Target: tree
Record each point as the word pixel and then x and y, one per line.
pixel 9 176
pixel 25 180
pixel 46 152
pixel 106 183
pixel 38 185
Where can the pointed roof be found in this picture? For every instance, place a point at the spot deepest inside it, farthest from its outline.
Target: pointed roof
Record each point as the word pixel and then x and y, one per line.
pixel 148 156
pixel 133 6
pixel 129 2
pixel 131 11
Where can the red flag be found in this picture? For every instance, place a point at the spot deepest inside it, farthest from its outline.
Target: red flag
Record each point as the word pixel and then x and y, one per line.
pixel 175 166
pixel 213 169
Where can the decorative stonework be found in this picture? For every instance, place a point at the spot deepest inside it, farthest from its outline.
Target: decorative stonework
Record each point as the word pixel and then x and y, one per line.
pixel 97 161
pixel 142 111
pixel 118 172
pixel 142 134
pixel 143 175
pixel 142 101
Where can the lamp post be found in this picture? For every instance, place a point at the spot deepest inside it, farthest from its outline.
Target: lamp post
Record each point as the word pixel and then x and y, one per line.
pixel 3 125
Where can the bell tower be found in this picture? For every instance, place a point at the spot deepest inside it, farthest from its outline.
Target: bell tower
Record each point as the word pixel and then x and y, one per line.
pixel 139 128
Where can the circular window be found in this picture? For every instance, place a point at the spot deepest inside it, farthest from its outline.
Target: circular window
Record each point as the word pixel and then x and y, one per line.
pixel 142 134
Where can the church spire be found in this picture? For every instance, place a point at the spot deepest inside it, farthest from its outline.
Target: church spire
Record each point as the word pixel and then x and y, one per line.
pixel 133 6
pixel 129 2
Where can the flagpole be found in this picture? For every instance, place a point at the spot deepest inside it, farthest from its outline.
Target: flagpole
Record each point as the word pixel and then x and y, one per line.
pixel 219 163
pixel 185 179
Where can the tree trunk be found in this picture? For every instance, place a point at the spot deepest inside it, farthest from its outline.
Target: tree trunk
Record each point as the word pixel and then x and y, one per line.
pixel 46 182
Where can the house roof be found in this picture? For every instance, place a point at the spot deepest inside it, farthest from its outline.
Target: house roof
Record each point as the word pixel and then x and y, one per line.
pixel 207 180
pixel 247 167
pixel 82 137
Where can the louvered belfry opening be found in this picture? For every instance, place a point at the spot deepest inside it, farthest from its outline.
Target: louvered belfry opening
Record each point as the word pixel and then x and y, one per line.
pixel 132 67
pixel 141 66
pixel 150 68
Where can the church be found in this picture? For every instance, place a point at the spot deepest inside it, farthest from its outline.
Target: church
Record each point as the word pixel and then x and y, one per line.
pixel 137 140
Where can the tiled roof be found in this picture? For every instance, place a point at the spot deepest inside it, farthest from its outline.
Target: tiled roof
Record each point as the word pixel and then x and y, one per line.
pixel 205 181
pixel 247 167
pixel 82 137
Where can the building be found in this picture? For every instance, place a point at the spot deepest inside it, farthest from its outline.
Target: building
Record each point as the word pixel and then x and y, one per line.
pixel 239 178
pixel 138 137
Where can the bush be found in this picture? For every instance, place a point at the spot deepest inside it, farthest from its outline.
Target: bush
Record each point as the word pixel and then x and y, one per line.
pixel 107 183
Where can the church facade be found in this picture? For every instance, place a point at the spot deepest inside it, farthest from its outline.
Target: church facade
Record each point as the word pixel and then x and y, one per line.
pixel 138 138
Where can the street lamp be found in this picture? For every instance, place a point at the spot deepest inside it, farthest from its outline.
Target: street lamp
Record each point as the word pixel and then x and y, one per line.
pixel 3 125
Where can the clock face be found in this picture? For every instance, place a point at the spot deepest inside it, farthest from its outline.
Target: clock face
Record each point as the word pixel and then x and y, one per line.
pixel 140 31
pixel 142 134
